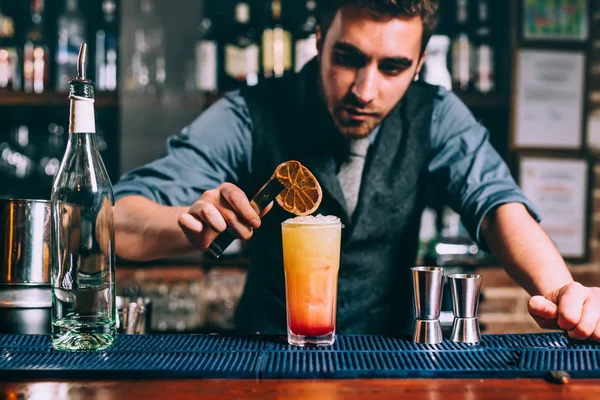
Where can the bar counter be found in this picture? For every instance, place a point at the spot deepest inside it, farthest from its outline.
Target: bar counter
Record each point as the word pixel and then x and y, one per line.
pixel 360 389
pixel 537 366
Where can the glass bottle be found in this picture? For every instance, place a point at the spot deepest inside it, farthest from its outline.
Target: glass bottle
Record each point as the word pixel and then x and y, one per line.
pixel 276 45
pixel 107 48
pixel 461 50
pixel 83 258
pixel 148 64
pixel 206 58
pixel 241 51
pixel 10 70
pixel 483 51
pixel 71 33
pixel 35 52
pixel 306 39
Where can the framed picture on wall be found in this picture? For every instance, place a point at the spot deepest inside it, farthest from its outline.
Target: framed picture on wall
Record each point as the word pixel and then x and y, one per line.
pixel 548 100
pixel 593 114
pixel 555 20
pixel 559 189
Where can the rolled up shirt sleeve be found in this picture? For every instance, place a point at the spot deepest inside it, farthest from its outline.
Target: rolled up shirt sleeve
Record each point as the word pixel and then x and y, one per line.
pixel 466 169
pixel 214 148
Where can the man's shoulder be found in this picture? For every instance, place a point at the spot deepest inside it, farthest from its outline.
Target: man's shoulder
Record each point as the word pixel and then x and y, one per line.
pixel 420 97
pixel 448 103
pixel 232 98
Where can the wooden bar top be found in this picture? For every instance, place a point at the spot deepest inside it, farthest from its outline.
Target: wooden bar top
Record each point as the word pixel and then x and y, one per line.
pixel 362 389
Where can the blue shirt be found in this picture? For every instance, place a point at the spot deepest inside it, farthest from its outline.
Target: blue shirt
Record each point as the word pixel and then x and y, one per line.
pixel 217 147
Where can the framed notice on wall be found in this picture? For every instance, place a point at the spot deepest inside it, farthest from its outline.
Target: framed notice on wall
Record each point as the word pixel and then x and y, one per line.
pixel 559 188
pixel 555 19
pixel 549 100
pixel 593 122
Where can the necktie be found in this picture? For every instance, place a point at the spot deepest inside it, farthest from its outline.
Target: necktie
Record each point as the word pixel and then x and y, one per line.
pixel 350 174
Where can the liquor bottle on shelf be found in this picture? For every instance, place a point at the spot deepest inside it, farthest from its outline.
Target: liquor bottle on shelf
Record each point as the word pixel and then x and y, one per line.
pixel 148 66
pixel 10 69
pixel 83 237
pixel 52 150
pixel 206 58
pixel 17 154
pixel 435 70
pixel 107 48
pixel 483 51
pixel 461 49
pixel 276 45
pixel 241 62
pixel 306 40
pixel 35 52
pixel 71 33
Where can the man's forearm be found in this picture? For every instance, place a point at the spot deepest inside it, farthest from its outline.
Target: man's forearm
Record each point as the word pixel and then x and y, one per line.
pixel 525 250
pixel 145 230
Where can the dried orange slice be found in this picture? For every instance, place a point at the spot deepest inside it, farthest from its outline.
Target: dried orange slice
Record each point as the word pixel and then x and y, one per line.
pixel 302 194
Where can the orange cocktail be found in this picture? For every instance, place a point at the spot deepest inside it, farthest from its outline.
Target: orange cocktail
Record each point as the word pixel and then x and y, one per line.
pixel 311 259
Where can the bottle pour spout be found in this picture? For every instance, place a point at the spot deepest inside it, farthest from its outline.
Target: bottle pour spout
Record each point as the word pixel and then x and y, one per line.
pixel 82 61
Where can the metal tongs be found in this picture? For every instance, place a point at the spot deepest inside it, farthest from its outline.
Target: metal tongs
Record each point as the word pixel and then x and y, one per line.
pixel 259 202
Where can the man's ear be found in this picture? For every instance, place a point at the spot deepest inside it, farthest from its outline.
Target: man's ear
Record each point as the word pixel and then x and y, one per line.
pixel 320 39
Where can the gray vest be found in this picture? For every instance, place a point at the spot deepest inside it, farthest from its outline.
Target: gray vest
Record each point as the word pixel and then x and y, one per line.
pixel 379 242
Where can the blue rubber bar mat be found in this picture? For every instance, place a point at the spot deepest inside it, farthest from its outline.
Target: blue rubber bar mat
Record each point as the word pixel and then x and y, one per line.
pixel 256 357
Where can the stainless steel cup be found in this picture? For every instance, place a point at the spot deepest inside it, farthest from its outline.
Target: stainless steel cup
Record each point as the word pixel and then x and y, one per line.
pixel 428 287
pixel 25 295
pixel 465 289
pixel 24 242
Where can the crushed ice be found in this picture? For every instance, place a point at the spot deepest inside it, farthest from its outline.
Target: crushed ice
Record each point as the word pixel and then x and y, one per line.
pixel 313 219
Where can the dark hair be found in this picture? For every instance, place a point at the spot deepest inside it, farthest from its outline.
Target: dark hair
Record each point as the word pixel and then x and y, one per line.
pixel 426 9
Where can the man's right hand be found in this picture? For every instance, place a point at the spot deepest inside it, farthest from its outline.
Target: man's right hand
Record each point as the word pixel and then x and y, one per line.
pixel 217 209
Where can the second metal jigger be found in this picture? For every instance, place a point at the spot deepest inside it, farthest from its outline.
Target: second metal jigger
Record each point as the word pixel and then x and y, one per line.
pixel 428 286
pixel 465 301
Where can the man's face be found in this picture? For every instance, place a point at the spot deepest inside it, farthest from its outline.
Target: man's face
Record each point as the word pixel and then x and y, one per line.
pixel 367 63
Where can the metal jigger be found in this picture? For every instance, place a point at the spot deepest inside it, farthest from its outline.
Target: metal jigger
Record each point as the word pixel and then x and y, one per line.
pixel 428 286
pixel 465 290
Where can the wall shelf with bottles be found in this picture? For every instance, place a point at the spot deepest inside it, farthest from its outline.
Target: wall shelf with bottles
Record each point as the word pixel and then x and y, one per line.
pixel 103 99
pixel 111 99
pixel 39 45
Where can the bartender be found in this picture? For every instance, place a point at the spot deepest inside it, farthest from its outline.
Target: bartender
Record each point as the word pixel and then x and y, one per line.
pixel 376 138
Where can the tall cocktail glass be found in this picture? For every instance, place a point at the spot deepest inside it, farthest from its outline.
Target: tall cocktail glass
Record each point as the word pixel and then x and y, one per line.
pixel 311 259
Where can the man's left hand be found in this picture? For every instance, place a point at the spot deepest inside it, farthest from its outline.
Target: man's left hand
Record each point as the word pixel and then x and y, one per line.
pixel 573 308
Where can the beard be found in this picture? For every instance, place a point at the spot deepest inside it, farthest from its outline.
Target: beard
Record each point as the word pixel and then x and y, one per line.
pixel 349 127
pixel 353 129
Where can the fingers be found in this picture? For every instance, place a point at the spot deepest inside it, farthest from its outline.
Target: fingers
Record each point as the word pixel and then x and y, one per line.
pixel 189 223
pixel 596 335
pixel 232 220
pixel 571 304
pixel 195 231
pixel 267 209
pixel 217 209
pixel 588 322
pixel 540 306
pixel 573 308
pixel 543 311
pixel 209 214
pixel 238 201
